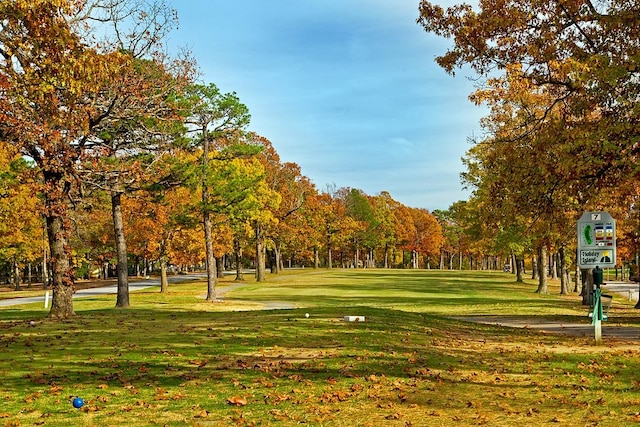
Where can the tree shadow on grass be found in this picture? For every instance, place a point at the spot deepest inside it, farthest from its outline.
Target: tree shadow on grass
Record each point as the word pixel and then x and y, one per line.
pixel 168 348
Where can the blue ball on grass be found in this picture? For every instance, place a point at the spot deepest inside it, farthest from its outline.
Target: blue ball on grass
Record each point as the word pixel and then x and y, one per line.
pixel 78 402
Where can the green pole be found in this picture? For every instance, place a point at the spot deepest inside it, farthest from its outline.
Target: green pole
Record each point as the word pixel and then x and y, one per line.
pixel 598 315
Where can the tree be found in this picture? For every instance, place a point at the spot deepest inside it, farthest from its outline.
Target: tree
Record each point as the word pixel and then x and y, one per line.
pixel 561 81
pixel 155 216
pixel 145 117
pixel 244 199
pixel 404 228
pixel 214 118
pixel 309 234
pixel 121 157
pixel 333 217
pixel 93 241
pixel 383 229
pixel 20 219
pixel 53 79
pixel 294 190
pixel 427 238
pixel 360 211
pixel 578 54
pixel 291 187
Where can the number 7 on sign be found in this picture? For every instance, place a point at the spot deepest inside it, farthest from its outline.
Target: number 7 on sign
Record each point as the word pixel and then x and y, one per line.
pixel 596 217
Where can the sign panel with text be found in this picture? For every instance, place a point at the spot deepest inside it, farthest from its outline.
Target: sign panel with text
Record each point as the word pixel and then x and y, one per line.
pixel 596 240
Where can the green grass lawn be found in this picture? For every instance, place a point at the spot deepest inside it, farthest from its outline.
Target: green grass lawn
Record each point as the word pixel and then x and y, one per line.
pixel 176 360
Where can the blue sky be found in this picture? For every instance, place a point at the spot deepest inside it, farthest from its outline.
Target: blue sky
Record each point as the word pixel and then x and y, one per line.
pixel 347 89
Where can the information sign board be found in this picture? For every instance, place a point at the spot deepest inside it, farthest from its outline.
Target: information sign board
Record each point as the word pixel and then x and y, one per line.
pixel 596 240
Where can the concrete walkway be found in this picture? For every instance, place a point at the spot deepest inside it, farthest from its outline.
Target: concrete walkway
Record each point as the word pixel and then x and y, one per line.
pixel 136 285
pixel 576 329
pixel 623 289
pixel 105 290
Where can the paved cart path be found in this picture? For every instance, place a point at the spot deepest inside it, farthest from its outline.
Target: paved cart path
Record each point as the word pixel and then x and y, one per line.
pixel 112 288
pixel 137 284
pixel 576 329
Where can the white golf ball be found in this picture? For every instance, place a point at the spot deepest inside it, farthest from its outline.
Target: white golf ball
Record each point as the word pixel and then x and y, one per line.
pixel 306 315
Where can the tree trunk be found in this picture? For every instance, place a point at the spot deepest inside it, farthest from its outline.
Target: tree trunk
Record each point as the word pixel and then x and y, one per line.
pixel 16 276
pixel 534 267
pixel 564 273
pixel 386 255
pixel 519 270
pixel 61 270
pixel 212 277
pixel 587 285
pixel 238 253
pixel 542 270
pixel 261 273
pixel 277 259
pixel 220 267
pixel 45 278
pixel 122 300
pixel 164 281
pixel 271 257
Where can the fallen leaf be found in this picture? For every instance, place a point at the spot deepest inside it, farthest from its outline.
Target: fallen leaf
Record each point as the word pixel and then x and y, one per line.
pixel 201 414
pixel 237 401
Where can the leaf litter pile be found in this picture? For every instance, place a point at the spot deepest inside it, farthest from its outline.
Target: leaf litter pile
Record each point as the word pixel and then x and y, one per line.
pixel 148 367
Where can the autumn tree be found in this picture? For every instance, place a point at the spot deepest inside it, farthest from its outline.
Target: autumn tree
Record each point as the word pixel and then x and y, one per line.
pixel 456 242
pixel 54 80
pixel 561 81
pixel 427 238
pixel 92 240
pixel 61 96
pixel 20 219
pixel 360 211
pixel 331 214
pixel 290 187
pixel 404 229
pixel 154 217
pixel 145 119
pixel 309 235
pixel 291 231
pixel 382 228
